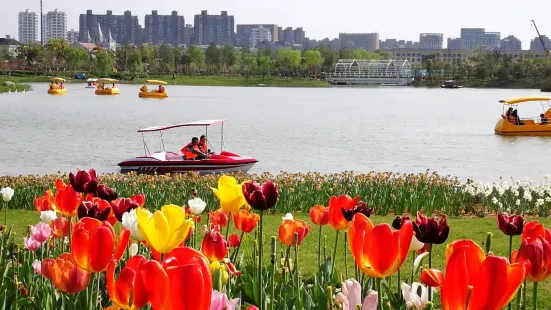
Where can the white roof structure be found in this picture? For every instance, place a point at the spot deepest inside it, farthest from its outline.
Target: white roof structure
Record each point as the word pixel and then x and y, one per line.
pixel 373 68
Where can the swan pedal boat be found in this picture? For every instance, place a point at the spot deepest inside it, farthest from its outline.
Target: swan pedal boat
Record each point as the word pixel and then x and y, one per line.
pixel 107 91
pixel 153 93
pixel 54 90
pixel 91 83
pixel 531 126
pixel 163 162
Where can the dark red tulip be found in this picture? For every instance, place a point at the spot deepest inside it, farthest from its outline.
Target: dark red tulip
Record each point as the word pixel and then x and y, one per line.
pixel 234 240
pixel 122 206
pixel 106 193
pixel 261 197
pixel 399 221
pixel 90 209
pixel 432 230
pixel 511 225
pixel 84 181
pixel 361 207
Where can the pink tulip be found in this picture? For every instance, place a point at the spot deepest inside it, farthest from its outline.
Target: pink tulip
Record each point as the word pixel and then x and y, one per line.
pixel 31 244
pixel 40 232
pixel 351 297
pixel 37 266
pixel 220 301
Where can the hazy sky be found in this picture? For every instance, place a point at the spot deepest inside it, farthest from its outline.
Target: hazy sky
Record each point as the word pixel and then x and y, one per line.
pixel 399 19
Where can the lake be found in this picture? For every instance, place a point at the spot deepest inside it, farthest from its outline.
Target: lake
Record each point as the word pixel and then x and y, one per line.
pixel 399 129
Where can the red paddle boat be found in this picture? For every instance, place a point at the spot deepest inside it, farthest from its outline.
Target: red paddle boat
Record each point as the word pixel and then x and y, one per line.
pixel 163 162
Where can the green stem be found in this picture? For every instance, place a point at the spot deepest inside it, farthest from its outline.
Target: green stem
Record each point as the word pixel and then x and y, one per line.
pixel 228 227
pixel 260 246
pixel 6 215
pixel 430 266
pixel 519 294
pixel 334 253
pixel 509 307
pixel 412 266
pixel 319 247
pixel 535 296
pixel 380 293
pixel 524 295
pixel 296 271
pixel 399 290
pixel 345 263
pixel 272 298
pixel 234 255
pixel 285 265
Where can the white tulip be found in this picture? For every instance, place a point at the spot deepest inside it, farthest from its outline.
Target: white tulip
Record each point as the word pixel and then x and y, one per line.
pixel 130 222
pixel 288 216
pixel 415 244
pixel 133 249
pixel 7 193
pixel 47 217
pixel 413 300
pixel 196 206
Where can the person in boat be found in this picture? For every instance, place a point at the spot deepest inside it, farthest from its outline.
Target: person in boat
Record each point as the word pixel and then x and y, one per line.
pixel 61 86
pixel 143 89
pixel 203 145
pixel 161 89
pixel 516 118
pixel 544 119
pixel 509 111
pixel 192 150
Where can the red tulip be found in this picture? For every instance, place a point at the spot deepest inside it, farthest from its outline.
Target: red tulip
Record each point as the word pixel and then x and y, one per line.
pixel 361 207
pixel 335 210
pixel 511 225
pixel 219 217
pixel 93 243
pixel 181 282
pixel 245 221
pixel 432 230
pixel 261 197
pixel 288 229
pixel 234 240
pixel 122 206
pixel 128 290
pixel 91 209
pixel 44 203
pixel 84 181
pixel 214 246
pixel 60 227
pixel 67 201
pixel 399 220
pixel 379 252
pixel 106 193
pixel 66 276
pixel 139 199
pixel 319 215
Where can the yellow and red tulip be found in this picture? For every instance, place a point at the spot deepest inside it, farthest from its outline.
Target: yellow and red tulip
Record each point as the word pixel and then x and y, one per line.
pixel 128 290
pixel 67 201
pixel 289 227
pixel 335 209
pixel 319 215
pixel 245 221
pixel 65 275
pixel 214 246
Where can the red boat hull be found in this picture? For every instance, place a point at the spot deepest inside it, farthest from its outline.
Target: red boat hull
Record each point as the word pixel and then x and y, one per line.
pixel 169 162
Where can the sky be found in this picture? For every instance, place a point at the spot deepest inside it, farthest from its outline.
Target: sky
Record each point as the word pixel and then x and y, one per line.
pixel 399 19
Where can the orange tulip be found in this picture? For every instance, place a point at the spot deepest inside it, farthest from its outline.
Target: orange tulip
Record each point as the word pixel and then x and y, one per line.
pixel 128 291
pixel 66 276
pixel 379 252
pixel 60 227
pixel 219 217
pixel 288 229
pixel 139 199
pixel 431 277
pixel 245 221
pixel 319 215
pixel 181 282
pixel 67 201
pixel 490 287
pixel 44 203
pixel 214 246
pixel 93 244
pixel 335 208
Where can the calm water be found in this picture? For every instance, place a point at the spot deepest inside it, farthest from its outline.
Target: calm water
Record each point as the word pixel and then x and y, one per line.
pixel 327 130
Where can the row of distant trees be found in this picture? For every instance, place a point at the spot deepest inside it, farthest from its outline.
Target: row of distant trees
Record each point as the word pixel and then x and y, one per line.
pixel 131 61
pixel 57 55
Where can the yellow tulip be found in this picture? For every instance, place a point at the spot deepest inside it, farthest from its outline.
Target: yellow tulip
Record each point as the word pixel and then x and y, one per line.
pixel 229 193
pixel 165 229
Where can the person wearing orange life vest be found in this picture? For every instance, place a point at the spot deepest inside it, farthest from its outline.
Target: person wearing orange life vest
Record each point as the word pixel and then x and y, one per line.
pixel 203 145
pixel 192 150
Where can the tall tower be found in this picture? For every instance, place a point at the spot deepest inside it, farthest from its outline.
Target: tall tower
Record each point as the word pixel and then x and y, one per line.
pixel 41 25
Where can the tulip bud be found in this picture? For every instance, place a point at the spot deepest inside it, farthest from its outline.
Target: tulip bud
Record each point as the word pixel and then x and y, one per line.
pixel 273 253
pixel 489 236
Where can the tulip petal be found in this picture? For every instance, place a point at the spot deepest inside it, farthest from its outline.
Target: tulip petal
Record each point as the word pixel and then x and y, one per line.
pixel 156 284
pixel 474 255
pixel 381 263
pixel 124 237
pixel 99 258
pixel 455 287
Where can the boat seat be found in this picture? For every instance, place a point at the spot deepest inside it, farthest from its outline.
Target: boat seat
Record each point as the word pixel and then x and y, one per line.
pixel 159 155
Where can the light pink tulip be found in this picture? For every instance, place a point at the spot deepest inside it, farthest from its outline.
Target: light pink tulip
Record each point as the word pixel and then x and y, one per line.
pixel 37 266
pixel 220 301
pixel 40 232
pixel 31 244
pixel 351 296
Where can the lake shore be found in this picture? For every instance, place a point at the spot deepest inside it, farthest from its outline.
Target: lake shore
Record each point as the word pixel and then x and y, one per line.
pixel 18 88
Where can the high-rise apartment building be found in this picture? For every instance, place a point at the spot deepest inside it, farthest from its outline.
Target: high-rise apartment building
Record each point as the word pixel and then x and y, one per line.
pixel 214 29
pixel 299 35
pixel 243 33
pixel 510 44
pixel 431 40
pixel 536 45
pixel 55 25
pixel 72 36
pixel 454 44
pixel 28 27
pixel 473 38
pixel 124 29
pixel 188 34
pixel 368 41
pixel 164 29
pixel 259 34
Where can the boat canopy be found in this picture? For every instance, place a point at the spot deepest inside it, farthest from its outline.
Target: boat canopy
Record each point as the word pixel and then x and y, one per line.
pixel 92 80
pixel 155 82
pixel 196 123
pixel 107 81
pixel 524 99
pixel 57 79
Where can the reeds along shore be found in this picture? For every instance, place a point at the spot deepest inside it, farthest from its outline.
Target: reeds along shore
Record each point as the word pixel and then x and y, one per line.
pixel 389 193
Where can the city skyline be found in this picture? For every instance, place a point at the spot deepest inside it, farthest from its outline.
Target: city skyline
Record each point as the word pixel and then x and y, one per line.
pixel 351 16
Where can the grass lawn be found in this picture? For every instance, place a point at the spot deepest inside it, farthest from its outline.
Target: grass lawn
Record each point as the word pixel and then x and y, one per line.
pixel 18 87
pixel 461 228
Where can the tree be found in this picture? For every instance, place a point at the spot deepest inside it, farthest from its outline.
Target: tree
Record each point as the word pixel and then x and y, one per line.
pixel 227 56
pixel 249 64
pixel 213 59
pixel 57 49
pixel 104 63
pixel 288 59
pixel 312 60
pixel 76 57
pixel 263 64
pixel 361 53
pixel 166 59
pixel 135 65
pixel 429 69
pixel 194 58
